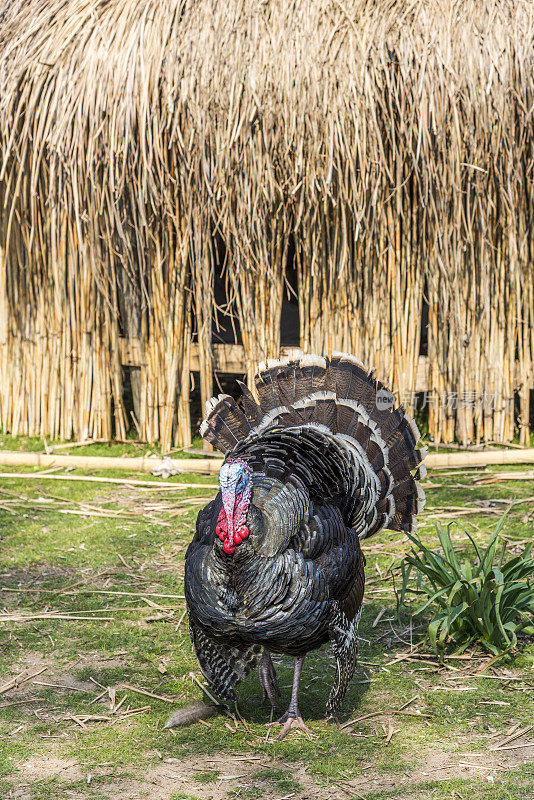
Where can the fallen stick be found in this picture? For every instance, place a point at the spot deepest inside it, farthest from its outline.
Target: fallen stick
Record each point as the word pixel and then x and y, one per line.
pixel 516 735
pixel 22 702
pixel 130 711
pixel 203 688
pixel 61 686
pixel 99 697
pixel 29 617
pixel 488 663
pixel 147 693
pixel 441 514
pixel 492 678
pixel 94 591
pixel 513 747
pixel 409 702
pixel 505 476
pixel 386 711
pixel 390 733
pixel 78 512
pixel 51 448
pixel 18 680
pixel 94 479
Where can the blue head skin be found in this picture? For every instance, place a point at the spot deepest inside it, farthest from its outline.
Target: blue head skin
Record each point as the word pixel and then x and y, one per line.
pixel 235 481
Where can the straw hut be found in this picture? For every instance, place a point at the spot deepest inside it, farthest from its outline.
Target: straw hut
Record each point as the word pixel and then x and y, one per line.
pixel 172 171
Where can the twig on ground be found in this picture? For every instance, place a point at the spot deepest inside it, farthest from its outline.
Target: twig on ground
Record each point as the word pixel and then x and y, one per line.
pixel 516 735
pixel 52 615
pixel 18 680
pixel 147 693
pixel 22 702
pixel 385 711
pixel 204 689
pixel 379 616
pixel 60 686
pixel 95 591
pixel 94 479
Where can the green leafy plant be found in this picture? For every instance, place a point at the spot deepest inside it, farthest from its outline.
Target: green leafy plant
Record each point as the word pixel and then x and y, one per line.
pixel 481 597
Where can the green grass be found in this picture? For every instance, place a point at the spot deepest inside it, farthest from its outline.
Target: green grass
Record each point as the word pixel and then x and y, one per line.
pixel 206 776
pixel 36 444
pixel 146 647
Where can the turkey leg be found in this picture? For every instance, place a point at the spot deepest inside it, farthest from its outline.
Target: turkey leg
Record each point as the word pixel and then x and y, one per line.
pixel 269 684
pixel 292 719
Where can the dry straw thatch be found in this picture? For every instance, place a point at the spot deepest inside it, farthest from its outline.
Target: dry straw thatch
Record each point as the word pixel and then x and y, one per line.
pixel 389 145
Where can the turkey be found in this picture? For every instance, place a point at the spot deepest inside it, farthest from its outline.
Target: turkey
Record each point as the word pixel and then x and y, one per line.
pixel 317 460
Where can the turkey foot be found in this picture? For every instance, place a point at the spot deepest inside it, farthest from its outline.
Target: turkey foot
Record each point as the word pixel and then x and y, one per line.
pixel 268 681
pixel 292 719
pixel 292 723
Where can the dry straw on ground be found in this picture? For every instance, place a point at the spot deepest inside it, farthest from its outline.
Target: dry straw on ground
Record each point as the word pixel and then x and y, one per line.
pixel 147 144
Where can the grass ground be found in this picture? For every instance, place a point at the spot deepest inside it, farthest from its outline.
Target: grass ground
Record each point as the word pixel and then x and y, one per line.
pixel 92 597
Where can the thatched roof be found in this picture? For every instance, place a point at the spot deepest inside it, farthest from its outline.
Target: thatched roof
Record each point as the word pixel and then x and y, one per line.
pixel 391 142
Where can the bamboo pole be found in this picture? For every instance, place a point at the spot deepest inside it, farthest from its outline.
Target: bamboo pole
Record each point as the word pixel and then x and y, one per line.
pixel 492 457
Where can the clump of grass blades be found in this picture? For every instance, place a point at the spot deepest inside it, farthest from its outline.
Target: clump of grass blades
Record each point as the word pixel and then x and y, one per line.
pixel 481 598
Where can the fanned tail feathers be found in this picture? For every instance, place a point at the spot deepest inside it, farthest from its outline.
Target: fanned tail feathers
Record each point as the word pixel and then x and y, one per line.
pixel 340 396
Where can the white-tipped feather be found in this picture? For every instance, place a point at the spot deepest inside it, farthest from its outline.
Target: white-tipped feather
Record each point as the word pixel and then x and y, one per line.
pixel 358 409
pixel 391 510
pixel 421 498
pixel 268 419
pixel 377 439
pixel 362 459
pixel 423 472
pixel 203 428
pixel 311 399
pixel 312 361
pixel 415 430
pixel 391 480
pixel 370 525
pixel 272 363
pixel 318 426
pixel 349 357
pixel 213 402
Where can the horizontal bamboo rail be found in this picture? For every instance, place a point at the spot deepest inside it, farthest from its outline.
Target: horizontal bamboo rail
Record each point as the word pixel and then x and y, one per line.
pixel 205 466
pixel 211 466
pixel 481 459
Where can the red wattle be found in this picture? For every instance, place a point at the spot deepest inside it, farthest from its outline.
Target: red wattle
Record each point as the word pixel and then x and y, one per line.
pixel 221 530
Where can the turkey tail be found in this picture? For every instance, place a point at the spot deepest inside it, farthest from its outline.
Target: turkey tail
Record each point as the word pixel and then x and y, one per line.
pixel 342 399
pixel 226 423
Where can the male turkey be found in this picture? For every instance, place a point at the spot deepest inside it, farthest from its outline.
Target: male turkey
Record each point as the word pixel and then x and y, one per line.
pixel 317 461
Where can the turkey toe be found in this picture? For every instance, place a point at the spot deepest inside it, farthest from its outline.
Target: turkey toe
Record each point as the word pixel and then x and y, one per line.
pixel 293 723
